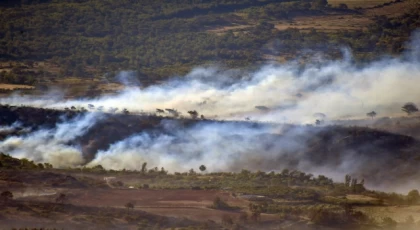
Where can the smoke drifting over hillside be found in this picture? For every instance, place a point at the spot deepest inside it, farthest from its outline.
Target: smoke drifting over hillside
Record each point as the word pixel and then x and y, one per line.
pixel 290 92
pixel 286 92
pixel 51 145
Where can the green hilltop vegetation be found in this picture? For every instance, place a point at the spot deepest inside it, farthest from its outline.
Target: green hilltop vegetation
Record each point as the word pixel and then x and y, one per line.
pixel 44 39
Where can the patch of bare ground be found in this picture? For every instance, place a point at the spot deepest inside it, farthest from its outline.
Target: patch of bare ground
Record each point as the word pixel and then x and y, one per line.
pixel 360 197
pixel 224 29
pixel 18 214
pixel 326 23
pixel 191 204
pixel 15 86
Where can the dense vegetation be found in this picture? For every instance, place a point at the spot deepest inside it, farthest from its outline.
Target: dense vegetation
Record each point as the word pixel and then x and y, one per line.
pixel 162 38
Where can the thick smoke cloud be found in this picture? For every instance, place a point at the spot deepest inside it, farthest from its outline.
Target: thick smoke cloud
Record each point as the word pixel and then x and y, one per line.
pixel 287 92
pixel 52 145
pixel 336 88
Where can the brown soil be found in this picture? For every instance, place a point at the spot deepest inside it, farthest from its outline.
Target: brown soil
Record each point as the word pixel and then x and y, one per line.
pixel 191 204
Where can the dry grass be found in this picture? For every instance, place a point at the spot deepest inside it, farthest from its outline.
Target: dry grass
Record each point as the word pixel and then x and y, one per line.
pixel 398 213
pixel 13 86
pixel 224 29
pixel 360 197
pixel 328 23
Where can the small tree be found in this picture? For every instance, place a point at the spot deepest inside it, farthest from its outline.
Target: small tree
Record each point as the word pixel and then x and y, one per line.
pixel 193 114
pixel 173 112
pixel 413 197
pixel 347 180
pixel 409 108
pixel 218 203
pixel 129 205
pixel 191 172
pixel 371 114
pixel 202 168
pixel 144 168
pixel 6 196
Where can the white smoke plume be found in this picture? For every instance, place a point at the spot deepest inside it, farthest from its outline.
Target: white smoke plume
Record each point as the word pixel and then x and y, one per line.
pixel 277 92
pixel 289 92
pixel 52 145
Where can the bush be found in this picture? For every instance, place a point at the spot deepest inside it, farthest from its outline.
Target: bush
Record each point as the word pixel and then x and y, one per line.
pixel 218 203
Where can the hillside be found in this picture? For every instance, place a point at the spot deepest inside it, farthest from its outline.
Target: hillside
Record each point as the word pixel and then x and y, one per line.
pixel 156 199
pixel 119 141
pixel 43 42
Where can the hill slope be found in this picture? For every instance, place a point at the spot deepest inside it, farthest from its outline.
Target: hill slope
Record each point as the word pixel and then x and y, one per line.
pixel 126 141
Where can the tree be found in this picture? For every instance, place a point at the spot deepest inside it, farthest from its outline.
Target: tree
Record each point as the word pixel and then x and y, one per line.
pixel 409 108
pixel 40 166
pixel 218 203
pixel 371 114
pixel 98 168
pixel 413 197
pixel 129 205
pixel 48 165
pixel 144 168
pixel 193 114
pixel 191 172
pixel 6 196
pixel 347 180
pixel 173 112
pixel 202 168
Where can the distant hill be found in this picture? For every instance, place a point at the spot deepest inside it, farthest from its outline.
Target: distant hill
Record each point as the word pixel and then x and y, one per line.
pixel 42 41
